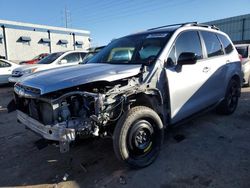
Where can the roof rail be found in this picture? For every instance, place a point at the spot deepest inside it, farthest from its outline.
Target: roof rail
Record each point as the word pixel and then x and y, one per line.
pixel 205 25
pixel 186 24
pixel 171 25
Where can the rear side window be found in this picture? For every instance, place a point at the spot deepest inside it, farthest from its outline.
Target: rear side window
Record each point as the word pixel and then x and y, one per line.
pixel 212 43
pixel 243 51
pixel 228 47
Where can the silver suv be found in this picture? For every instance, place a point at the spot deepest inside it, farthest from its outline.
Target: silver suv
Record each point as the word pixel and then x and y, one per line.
pixel 133 89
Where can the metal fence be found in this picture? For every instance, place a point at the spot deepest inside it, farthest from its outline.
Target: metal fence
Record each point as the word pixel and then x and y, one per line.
pixel 238 27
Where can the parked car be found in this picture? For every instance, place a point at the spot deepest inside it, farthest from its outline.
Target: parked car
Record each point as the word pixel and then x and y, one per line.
pixel 91 52
pixel 6 67
pixel 54 60
pixel 243 50
pixel 133 89
pixel 35 59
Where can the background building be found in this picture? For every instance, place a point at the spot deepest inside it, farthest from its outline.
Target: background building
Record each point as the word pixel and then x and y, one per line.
pixel 238 27
pixel 23 41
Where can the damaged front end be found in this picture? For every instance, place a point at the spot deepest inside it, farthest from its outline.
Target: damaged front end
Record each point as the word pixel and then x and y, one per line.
pixel 78 112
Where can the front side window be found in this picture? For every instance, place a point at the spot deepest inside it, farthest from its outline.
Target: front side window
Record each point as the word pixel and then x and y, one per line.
pixel 4 64
pixel 135 49
pixel 228 47
pixel 187 42
pixel 72 58
pixel 212 44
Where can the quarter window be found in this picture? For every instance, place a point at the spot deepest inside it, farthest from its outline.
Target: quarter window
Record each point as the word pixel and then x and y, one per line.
pixel 212 43
pixel 226 43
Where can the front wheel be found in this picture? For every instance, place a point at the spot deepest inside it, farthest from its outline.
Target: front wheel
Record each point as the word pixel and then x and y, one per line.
pixel 230 102
pixel 138 136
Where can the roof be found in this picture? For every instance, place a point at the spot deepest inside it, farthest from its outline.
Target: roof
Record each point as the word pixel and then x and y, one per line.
pixel 22 25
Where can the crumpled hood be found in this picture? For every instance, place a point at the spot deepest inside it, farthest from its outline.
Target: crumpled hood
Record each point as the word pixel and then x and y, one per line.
pixel 66 77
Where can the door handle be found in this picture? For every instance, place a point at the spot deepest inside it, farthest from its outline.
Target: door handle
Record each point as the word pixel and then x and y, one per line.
pixel 206 69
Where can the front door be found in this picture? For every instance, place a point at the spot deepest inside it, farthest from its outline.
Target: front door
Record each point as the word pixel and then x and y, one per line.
pixel 189 86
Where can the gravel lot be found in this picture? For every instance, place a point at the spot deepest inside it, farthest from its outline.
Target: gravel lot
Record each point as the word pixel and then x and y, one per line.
pixel 209 151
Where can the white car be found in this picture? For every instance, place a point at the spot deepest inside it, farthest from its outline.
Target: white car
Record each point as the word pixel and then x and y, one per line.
pixel 244 51
pixel 53 60
pixel 6 67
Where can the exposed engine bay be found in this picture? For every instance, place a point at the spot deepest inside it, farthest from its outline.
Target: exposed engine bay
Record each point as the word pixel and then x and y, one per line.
pixel 89 110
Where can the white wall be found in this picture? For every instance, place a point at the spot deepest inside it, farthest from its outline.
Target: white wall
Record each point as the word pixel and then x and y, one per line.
pixel 18 50
pixel 2 49
pixel 85 40
pixel 55 37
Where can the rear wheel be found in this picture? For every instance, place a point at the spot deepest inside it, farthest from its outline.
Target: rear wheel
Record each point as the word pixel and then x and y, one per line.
pixel 138 137
pixel 230 102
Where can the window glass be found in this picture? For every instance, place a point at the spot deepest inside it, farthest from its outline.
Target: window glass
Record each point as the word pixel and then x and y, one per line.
pixel 121 54
pixel 243 51
pixel 82 54
pixel 4 64
pixel 72 58
pixel 133 49
pixel 226 44
pixel 188 42
pixel 171 61
pixel 212 43
pixel 50 58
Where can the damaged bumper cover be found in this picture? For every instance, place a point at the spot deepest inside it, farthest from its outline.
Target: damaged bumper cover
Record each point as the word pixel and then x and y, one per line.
pixel 55 133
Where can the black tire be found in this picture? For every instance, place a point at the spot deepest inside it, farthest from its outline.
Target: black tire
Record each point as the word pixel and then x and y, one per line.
pixel 230 102
pixel 138 137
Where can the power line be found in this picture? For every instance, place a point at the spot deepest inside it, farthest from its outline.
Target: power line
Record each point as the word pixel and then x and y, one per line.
pixel 129 12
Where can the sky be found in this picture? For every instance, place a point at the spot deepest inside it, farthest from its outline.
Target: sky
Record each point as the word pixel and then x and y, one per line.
pixel 110 19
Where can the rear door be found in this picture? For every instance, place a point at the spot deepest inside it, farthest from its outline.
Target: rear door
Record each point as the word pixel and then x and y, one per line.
pixel 214 66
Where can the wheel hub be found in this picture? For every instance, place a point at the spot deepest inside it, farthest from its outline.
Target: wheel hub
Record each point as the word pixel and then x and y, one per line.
pixel 141 137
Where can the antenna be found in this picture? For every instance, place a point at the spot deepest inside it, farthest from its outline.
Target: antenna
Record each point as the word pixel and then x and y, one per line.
pixel 67 17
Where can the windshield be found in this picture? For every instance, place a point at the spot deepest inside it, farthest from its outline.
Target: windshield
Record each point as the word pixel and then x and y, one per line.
pixel 87 57
pixel 36 57
pixel 243 51
pixel 135 49
pixel 50 58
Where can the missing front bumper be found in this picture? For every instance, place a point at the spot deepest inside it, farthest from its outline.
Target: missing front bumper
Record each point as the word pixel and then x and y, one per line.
pixel 56 132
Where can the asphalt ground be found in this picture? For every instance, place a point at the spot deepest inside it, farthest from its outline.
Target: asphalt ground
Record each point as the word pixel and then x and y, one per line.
pixel 209 151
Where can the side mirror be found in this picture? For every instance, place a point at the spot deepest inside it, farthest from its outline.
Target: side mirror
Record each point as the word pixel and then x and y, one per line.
pixel 187 58
pixel 63 61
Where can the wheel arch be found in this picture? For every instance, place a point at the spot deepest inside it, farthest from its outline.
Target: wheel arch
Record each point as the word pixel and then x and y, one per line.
pixel 151 100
